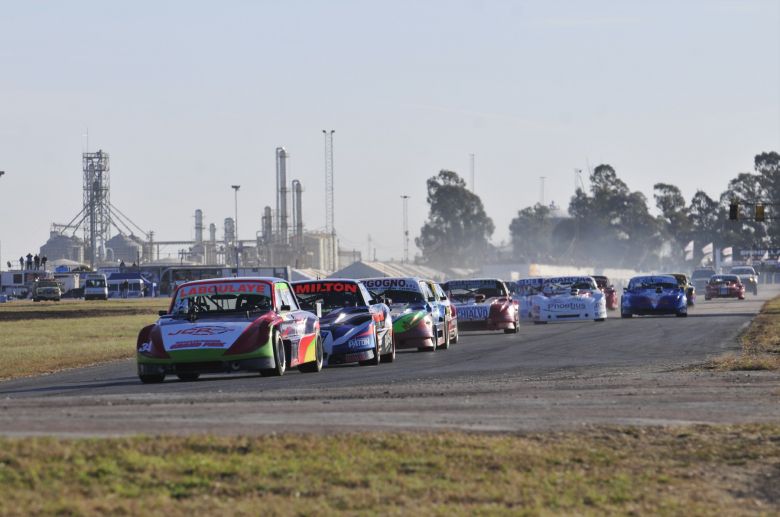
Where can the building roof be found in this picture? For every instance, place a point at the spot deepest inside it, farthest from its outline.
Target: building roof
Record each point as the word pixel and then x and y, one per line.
pixel 371 269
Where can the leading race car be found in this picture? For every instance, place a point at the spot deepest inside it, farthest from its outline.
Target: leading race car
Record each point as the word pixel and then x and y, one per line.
pixel 525 290
pixel 447 313
pixel 416 321
pixel 354 328
pixel 230 325
pixel 654 294
pixel 569 298
pixel 484 303
pixel 610 293
pixel 724 286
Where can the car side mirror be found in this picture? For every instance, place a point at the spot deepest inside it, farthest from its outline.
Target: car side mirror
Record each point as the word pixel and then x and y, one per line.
pixel 431 298
pixel 162 313
pixel 388 301
pixel 284 308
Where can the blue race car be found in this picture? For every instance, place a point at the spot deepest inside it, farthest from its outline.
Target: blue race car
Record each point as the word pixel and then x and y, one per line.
pixel 657 294
pixel 354 328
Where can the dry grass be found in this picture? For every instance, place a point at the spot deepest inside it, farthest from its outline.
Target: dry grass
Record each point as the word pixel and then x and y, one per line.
pixel 760 343
pixel 723 470
pixel 39 338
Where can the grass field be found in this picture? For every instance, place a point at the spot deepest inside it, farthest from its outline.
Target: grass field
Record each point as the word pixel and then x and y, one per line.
pixel 45 337
pixel 760 343
pixel 684 471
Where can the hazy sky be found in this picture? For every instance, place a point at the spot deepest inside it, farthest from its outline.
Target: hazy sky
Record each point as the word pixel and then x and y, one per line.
pixel 191 97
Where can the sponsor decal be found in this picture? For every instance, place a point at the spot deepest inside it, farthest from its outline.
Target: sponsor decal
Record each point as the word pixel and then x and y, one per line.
pixel 146 347
pixel 225 288
pixel 531 281
pixel 201 331
pixel 382 284
pixel 325 287
pixel 473 313
pixel 472 284
pixel 567 279
pixel 197 344
pixel 361 342
pixel 566 306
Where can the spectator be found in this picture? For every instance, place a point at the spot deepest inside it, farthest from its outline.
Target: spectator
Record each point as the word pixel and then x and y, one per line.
pixel 29 262
pixel 125 288
pixel 9 264
pixel 43 262
pixel 37 262
pixel 21 263
pixel 121 266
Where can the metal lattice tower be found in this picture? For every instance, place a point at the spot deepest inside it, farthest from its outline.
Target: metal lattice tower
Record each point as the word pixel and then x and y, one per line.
pixel 97 203
pixel 406 228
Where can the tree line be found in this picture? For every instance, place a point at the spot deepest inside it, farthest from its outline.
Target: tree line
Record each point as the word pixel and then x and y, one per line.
pixel 608 225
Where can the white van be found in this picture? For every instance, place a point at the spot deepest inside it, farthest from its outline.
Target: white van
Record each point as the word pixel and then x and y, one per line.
pixel 95 287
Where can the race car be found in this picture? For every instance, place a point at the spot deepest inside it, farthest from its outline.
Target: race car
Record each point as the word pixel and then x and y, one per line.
pixel 524 291
pixel 226 325
pixel 686 284
pixel 725 286
pixel 484 303
pixel 610 293
pixel 569 298
pixel 414 310
pixel 447 312
pixel 353 327
pixel 748 276
pixel 654 294
pixel 700 277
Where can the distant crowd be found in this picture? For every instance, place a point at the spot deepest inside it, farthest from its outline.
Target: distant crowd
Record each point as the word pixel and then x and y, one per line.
pixel 33 262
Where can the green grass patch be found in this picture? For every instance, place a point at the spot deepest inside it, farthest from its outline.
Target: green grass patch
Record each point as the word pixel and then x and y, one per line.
pixel 45 337
pixel 760 343
pixel 718 470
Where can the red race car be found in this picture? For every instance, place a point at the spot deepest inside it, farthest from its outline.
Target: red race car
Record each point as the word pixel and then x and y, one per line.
pixel 610 293
pixel 724 286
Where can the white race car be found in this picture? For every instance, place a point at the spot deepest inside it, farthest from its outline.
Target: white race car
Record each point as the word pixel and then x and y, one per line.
pixel 525 290
pixel 569 298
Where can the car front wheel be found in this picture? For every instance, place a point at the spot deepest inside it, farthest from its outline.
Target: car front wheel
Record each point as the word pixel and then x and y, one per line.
pixel 280 359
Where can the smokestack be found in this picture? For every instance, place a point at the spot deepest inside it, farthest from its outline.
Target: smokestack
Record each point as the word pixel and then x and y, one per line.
pixel 267 225
pixel 230 231
pixel 199 226
pixel 297 214
pixel 281 193
pixel 213 233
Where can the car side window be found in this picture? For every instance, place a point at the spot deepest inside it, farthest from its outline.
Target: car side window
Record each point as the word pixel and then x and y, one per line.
pixel 440 292
pixel 364 292
pixel 425 290
pixel 284 296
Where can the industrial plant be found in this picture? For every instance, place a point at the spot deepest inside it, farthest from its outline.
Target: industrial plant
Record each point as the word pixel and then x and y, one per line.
pixel 101 235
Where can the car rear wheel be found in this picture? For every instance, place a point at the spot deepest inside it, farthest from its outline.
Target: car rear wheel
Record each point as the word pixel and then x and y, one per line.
pixel 316 365
pixel 455 336
pixel 682 314
pixel 280 359
pixel 188 377
pixel 626 315
pixel 374 361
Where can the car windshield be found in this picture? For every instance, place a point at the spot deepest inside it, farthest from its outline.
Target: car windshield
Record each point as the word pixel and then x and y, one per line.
pixel 702 273
pixel 654 282
pixel 742 271
pixel 330 295
pixel 722 279
pixel 399 290
pixel 95 282
pixel 601 281
pixel 465 289
pixel 222 298
pixel 399 296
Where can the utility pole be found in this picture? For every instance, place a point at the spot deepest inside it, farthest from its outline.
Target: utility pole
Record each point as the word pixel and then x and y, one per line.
pixel 406 228
pixel 541 189
pixel 330 226
pixel 235 189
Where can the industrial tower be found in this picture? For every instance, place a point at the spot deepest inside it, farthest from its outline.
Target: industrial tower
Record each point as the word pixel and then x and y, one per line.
pixel 96 204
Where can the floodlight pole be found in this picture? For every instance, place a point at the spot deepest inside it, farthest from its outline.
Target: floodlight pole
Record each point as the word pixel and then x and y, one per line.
pixel 235 223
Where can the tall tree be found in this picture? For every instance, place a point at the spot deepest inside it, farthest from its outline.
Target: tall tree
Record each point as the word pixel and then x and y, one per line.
pixel 674 219
pixel 767 166
pixel 458 229
pixel 531 233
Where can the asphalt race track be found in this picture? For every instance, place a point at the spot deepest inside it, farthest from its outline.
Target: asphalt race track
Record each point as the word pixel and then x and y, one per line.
pixel 642 371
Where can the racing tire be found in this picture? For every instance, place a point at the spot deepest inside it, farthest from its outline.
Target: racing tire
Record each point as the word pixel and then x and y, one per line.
pixel 540 323
pixel 36 300
pixel 152 378
pixel 626 315
pixel 427 348
pixel 455 336
pixel 446 332
pixel 682 315
pixel 377 359
pixel 188 377
pixel 390 356
pixel 316 365
pixel 600 319
pixel 280 359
